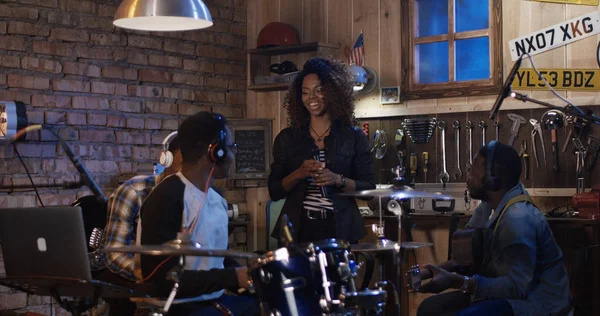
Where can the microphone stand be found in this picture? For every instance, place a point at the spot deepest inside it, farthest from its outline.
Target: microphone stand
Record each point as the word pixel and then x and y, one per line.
pixel 85 177
pixel 569 109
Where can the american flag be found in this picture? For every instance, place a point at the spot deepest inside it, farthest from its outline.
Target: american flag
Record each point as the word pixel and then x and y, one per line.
pixel 357 54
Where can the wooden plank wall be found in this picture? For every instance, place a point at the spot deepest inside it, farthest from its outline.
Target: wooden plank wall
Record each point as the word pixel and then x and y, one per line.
pixel 340 22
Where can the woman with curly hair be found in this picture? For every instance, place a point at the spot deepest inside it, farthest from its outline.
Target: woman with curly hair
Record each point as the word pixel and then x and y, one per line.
pixel 321 154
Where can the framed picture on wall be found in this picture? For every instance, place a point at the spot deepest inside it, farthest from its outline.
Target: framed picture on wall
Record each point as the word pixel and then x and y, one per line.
pixel 389 95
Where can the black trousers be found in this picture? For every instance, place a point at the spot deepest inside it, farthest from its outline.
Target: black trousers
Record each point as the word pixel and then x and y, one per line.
pixel 312 230
pixel 458 303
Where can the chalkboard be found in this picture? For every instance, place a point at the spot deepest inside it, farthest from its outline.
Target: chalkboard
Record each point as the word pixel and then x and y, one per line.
pixel 254 140
pixel 250 157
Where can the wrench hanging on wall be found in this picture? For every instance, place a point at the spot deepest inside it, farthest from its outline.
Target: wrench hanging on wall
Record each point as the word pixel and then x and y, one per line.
pixel 483 126
pixel 444 176
pixel 457 172
pixel 469 128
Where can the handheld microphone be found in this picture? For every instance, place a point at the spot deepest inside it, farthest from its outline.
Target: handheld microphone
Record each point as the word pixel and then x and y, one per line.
pixel 506 88
pixel 316 156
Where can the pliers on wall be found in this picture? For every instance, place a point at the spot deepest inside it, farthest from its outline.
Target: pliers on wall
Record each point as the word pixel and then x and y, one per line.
pixel 537 129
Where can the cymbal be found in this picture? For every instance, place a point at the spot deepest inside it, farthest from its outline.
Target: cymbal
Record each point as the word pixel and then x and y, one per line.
pixel 416 244
pixel 382 245
pixel 388 246
pixel 398 192
pixel 182 250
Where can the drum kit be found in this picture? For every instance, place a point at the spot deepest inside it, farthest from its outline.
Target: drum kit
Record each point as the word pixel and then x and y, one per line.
pixel 317 278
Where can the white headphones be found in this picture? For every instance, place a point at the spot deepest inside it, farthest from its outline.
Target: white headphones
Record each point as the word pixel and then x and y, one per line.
pixel 166 157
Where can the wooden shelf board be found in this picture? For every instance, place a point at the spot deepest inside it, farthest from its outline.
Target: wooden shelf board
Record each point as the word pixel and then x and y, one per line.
pixel 294 49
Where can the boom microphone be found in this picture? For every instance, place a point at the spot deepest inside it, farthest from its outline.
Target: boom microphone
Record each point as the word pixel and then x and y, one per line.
pixel 506 88
pixel 86 178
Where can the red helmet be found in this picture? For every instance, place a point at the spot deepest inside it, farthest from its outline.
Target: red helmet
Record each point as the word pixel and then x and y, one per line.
pixel 277 34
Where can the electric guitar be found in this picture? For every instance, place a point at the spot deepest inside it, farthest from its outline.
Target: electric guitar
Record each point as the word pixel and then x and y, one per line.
pixel 94 213
pixel 468 249
pixel 467 257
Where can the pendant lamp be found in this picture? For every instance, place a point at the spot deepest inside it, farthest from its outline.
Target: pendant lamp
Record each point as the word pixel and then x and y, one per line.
pixel 163 15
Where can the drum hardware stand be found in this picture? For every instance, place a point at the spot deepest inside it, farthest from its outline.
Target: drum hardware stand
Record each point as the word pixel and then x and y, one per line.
pixel 327 301
pixel 183 239
pixel 382 242
pixel 352 268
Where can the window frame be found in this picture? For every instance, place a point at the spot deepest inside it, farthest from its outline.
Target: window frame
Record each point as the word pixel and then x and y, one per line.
pixel 413 91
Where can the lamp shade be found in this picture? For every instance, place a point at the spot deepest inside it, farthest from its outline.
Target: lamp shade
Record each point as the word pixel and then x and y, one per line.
pixel 163 15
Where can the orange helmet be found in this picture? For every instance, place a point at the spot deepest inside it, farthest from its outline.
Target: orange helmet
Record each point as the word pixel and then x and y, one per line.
pixel 277 34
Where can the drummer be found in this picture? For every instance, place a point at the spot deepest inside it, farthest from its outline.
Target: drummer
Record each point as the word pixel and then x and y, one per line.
pixel 321 154
pixel 186 203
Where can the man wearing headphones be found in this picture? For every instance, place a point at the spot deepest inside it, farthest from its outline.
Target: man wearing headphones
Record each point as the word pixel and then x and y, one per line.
pixel 185 205
pixel 522 272
pixel 123 218
pixel 124 206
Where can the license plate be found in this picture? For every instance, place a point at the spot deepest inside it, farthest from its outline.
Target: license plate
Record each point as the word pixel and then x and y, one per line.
pixel 556 35
pixel 560 79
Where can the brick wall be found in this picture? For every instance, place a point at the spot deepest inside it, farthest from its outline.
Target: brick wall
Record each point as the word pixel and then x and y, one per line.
pixel 113 94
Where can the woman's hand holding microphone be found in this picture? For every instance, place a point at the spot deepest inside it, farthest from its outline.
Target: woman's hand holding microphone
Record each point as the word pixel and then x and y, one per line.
pixel 316 170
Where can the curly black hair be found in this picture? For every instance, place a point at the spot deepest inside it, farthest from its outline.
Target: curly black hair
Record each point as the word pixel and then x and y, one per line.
pixel 337 83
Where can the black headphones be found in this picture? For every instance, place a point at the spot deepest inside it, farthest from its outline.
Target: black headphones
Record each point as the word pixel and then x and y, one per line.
pixel 491 182
pixel 217 151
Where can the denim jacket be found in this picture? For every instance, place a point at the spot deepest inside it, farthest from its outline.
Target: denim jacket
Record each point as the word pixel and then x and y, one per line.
pixel 526 265
pixel 347 153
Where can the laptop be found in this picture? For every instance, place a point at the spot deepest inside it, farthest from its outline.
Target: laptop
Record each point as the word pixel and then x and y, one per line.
pixel 44 242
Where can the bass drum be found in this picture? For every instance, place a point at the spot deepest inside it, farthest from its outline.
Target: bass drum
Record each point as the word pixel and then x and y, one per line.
pixel 290 281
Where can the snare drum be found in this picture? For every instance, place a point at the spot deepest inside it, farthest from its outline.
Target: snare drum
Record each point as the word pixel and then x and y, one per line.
pixel 305 280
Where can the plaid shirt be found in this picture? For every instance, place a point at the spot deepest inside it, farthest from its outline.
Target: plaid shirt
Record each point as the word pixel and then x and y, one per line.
pixel 123 215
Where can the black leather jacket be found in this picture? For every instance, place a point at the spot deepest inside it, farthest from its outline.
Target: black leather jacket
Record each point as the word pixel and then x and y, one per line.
pixel 347 153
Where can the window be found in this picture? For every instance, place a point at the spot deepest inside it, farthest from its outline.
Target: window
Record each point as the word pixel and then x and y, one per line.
pixel 451 48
